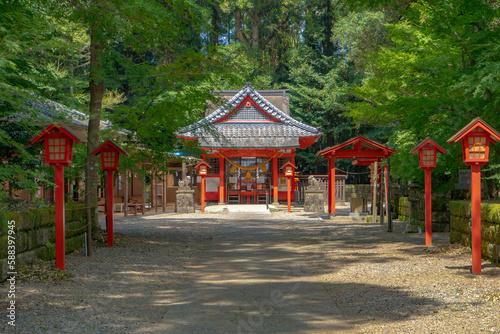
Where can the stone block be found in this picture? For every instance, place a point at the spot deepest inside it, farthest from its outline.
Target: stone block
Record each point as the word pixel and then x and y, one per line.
pixel 492 251
pixel 442 217
pixel 3 246
pixel 43 236
pixel 26 258
pixel 358 204
pixel 184 201
pixel 22 242
pixel 5 269
pixel 314 201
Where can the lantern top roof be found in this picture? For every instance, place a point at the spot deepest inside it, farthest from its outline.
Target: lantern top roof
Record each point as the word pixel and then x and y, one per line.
pixel 475 123
pixel 289 164
pixel 61 127
pixel 202 163
pixel 426 142
pixel 358 147
pixel 111 143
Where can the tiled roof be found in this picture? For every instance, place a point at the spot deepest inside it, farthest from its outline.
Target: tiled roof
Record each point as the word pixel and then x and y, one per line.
pixel 283 132
pixel 48 110
pixel 44 111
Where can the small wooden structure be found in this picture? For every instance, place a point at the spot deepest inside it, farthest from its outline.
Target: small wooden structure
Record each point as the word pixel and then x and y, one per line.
pixel 427 153
pixel 358 147
pixel 476 138
pixel 58 140
pixel 110 159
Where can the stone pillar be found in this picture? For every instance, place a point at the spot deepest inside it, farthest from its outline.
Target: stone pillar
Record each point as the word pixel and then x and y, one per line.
pixel 414 199
pixel 313 198
pixel 184 198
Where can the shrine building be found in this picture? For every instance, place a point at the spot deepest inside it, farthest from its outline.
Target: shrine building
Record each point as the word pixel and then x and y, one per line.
pixel 246 142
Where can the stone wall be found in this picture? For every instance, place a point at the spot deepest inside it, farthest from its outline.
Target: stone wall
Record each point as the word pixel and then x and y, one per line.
pixel 35 234
pixel 412 210
pixel 460 228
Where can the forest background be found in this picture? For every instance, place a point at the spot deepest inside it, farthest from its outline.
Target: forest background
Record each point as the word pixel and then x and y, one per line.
pixel 395 71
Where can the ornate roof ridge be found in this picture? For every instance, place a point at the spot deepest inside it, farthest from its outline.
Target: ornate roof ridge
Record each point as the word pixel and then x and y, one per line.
pixel 263 103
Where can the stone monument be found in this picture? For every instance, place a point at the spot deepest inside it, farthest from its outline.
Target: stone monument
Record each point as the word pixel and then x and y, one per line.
pixel 313 199
pixel 414 197
pixel 184 197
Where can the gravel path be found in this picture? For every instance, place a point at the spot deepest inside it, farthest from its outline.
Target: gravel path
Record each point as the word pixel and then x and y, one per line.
pixel 383 282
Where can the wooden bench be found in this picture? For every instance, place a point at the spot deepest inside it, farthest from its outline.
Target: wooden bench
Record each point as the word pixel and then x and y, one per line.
pixel 135 203
pixel 118 204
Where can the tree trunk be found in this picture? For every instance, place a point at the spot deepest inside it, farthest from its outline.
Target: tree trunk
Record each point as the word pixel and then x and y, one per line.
pixel 238 26
pixel 215 23
pixel 254 20
pixel 96 87
pixel 328 50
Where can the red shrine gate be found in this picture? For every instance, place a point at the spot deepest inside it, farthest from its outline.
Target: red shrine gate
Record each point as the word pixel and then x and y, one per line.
pixel 246 142
pixel 365 151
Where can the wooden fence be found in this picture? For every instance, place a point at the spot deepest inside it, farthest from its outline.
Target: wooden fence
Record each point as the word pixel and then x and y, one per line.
pixel 323 180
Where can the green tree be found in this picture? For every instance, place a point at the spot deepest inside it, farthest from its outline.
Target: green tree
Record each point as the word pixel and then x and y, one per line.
pixel 434 75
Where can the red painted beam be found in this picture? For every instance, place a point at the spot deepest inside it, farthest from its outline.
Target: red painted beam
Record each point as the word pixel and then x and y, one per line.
pixel 354 154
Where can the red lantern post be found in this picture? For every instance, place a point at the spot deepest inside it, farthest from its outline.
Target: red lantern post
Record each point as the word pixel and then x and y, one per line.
pixel 203 171
pixel 110 158
pixel 427 153
pixel 476 137
pixel 289 173
pixel 58 140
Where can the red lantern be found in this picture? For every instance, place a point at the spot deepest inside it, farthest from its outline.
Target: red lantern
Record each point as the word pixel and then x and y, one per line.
pixel 289 173
pixel 476 146
pixel 476 137
pixel 58 140
pixel 202 171
pixel 427 153
pixel 110 154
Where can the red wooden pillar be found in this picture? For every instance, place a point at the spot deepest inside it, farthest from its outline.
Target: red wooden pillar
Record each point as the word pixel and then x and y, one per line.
pixel 380 198
pixel 386 187
pixel 109 215
pixel 203 194
pixel 60 213
pixel 428 208
pixel 222 186
pixel 292 160
pixel 289 193
pixel 275 179
pixel 332 186
pixel 329 185
pixel 476 217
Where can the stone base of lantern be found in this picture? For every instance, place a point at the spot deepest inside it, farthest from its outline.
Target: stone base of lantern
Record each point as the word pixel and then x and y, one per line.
pixel 184 201
pixel 313 201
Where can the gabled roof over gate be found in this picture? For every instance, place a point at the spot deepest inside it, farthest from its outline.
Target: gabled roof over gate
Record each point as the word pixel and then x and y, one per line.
pixel 358 147
pixel 248 120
